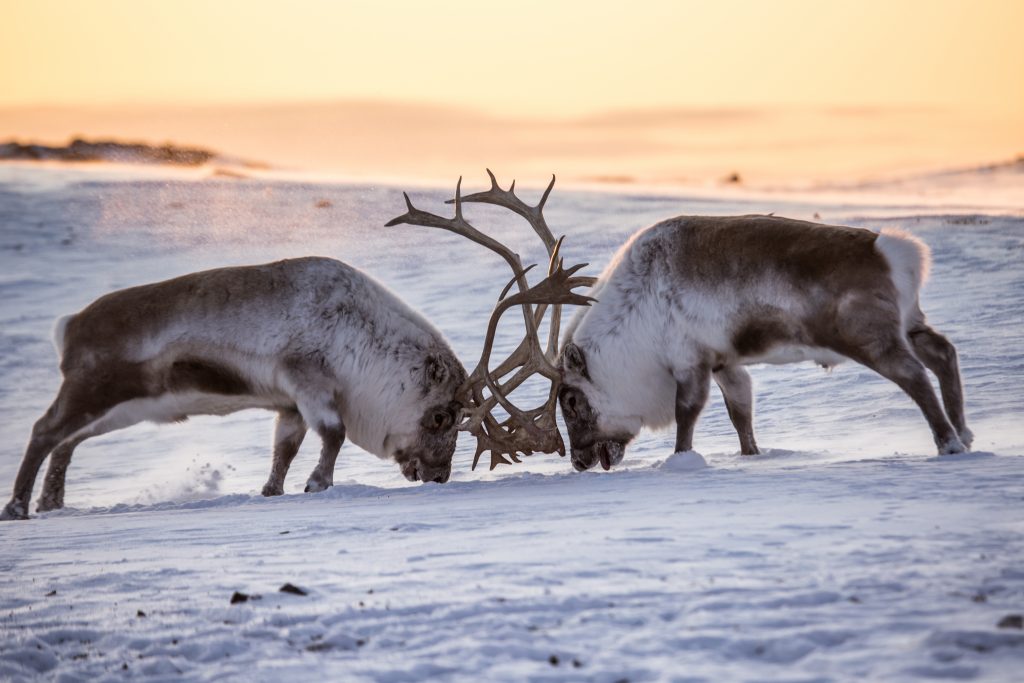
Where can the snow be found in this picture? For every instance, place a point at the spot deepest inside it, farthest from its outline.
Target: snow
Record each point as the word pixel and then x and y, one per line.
pixel 685 461
pixel 847 550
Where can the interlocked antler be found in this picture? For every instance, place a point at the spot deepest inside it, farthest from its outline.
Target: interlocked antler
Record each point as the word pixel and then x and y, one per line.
pixel 524 431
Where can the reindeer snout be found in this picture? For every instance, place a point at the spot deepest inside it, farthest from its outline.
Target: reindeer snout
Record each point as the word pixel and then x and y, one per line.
pixel 582 464
pixel 607 453
pixel 418 471
pixel 438 476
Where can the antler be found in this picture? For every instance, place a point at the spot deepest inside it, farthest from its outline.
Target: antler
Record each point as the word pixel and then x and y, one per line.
pixel 524 431
pixel 534 215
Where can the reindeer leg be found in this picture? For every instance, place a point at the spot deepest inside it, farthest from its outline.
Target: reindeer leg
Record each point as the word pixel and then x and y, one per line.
pixel 939 356
pixel 52 497
pixel 692 388
pixel 734 381
pixel 324 414
pixel 873 331
pixel 83 409
pixel 45 435
pixel 901 366
pixel 59 422
pixel 320 407
pixel 332 436
pixel 289 432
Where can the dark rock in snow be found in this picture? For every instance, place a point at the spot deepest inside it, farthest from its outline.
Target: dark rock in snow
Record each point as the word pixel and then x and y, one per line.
pixel 1011 621
pixel 294 590
pixel 237 597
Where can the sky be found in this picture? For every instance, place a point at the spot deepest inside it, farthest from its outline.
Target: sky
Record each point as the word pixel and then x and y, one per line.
pixel 938 63
pixel 531 57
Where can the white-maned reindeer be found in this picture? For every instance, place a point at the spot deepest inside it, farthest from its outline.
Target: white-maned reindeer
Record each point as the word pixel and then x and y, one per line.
pixel 317 341
pixel 320 343
pixel 693 298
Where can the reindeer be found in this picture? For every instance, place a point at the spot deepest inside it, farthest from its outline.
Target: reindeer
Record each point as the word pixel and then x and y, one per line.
pixel 319 342
pixel 694 298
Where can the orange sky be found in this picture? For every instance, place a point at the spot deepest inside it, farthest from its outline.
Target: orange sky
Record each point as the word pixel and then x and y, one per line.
pixel 649 90
pixel 528 58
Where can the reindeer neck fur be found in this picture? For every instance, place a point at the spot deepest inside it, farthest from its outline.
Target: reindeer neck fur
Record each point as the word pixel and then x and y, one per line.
pixel 383 362
pixel 378 353
pixel 624 337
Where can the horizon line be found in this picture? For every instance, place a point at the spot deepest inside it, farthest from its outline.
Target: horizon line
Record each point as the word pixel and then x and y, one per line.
pixel 589 115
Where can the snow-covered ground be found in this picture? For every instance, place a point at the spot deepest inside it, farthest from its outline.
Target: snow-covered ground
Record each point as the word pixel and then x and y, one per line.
pixel 847 551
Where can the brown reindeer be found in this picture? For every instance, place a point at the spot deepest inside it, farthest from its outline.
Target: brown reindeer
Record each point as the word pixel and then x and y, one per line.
pixel 320 343
pixel 694 298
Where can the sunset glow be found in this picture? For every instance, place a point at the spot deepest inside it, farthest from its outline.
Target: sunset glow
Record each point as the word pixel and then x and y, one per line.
pixel 532 57
pixel 552 63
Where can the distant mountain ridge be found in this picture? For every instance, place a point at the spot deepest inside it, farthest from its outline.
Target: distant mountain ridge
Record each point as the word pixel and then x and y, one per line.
pixel 376 140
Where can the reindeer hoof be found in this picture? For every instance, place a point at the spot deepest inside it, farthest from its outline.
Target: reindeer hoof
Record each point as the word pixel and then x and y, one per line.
pixel 967 436
pixel 13 510
pixel 270 490
pixel 316 486
pixel 952 447
pixel 46 504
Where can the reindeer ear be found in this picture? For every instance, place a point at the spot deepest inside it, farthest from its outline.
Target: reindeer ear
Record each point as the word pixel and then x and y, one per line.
pixel 436 370
pixel 573 360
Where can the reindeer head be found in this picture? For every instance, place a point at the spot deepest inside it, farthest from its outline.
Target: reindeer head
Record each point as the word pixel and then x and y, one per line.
pixel 424 449
pixel 523 431
pixel 578 397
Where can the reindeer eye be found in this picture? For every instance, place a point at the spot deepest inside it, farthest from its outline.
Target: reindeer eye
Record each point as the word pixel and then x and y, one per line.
pixel 441 419
pixel 568 400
